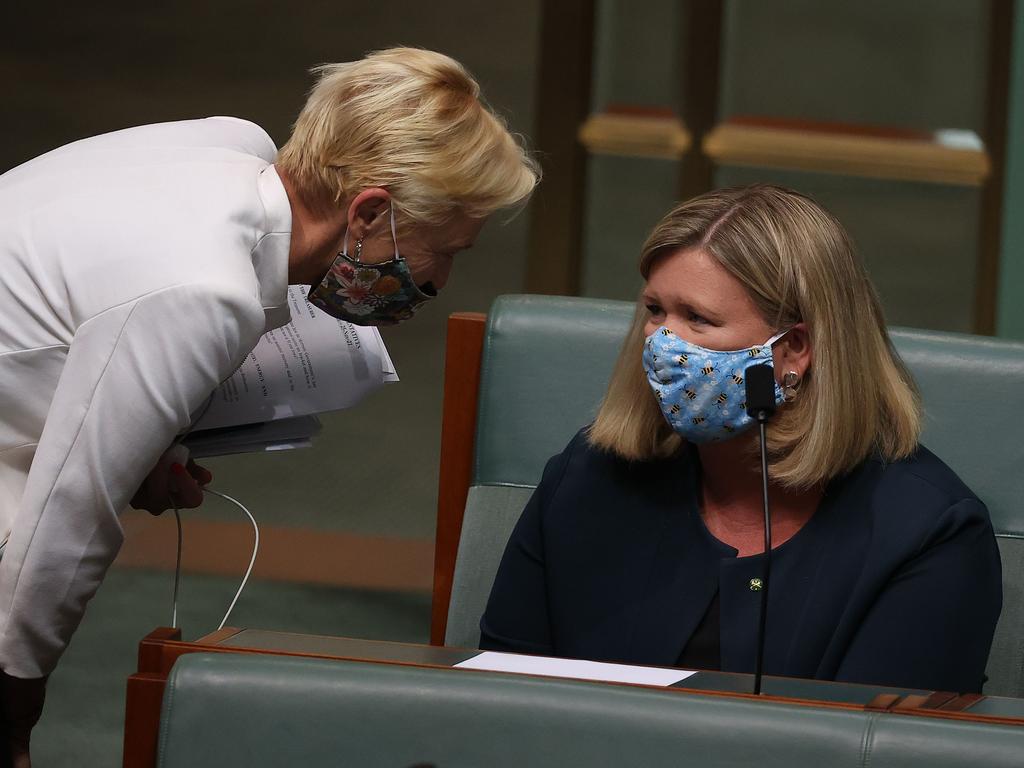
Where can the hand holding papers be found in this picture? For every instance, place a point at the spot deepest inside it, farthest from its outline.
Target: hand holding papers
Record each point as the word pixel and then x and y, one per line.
pixel 311 365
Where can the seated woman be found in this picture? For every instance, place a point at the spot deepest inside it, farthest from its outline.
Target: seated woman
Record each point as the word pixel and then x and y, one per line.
pixel 643 542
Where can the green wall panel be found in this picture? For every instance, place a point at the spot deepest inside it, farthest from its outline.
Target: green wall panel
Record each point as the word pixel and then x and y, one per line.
pixel 1011 285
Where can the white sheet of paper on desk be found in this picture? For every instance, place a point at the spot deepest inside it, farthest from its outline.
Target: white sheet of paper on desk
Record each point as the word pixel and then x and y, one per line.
pixel 575 668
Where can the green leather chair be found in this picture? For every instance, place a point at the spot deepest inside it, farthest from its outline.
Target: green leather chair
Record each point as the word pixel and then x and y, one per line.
pixel 546 361
pixel 223 710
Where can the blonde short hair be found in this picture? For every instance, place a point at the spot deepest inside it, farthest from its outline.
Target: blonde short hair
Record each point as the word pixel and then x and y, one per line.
pixel 798 264
pixel 410 121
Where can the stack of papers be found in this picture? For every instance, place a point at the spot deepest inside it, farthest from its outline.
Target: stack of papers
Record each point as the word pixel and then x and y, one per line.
pixel 279 435
pixel 312 365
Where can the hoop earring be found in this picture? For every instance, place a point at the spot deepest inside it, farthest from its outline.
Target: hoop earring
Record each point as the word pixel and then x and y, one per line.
pixel 790 386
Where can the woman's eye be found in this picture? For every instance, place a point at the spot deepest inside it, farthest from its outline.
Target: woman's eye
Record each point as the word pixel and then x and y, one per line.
pixel 654 309
pixel 693 317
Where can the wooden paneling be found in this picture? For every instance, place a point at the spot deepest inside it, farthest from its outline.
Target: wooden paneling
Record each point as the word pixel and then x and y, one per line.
pixel 563 102
pixel 632 132
pixel 143 698
pixel 298 555
pixel 849 150
pixel 701 68
pixel 996 118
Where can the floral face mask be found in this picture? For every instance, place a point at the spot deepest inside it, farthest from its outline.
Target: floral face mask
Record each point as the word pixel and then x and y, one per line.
pixel 370 294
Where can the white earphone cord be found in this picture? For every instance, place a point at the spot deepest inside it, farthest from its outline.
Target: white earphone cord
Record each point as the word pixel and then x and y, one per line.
pixel 245 579
pixel 177 572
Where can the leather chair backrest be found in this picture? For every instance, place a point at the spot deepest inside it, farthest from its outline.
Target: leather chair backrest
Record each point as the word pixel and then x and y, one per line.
pixel 261 711
pixel 546 363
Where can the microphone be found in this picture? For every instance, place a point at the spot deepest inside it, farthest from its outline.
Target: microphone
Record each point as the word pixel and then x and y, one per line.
pixel 760 386
pixel 760 383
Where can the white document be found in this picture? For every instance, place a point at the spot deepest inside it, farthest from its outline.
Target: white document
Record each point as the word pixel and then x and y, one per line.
pixel 313 364
pixel 575 668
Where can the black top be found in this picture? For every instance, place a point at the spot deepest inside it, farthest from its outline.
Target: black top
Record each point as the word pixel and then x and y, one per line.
pixel 895 580
pixel 702 649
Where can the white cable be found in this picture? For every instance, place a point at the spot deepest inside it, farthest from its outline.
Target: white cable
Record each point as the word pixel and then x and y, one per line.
pixel 177 572
pixel 255 550
pixel 180 453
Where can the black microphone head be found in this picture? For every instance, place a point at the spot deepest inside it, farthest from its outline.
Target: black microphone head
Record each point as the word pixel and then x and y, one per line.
pixel 760 383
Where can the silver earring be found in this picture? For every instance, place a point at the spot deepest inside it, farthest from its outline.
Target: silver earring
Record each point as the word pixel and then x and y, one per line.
pixel 359 249
pixel 790 386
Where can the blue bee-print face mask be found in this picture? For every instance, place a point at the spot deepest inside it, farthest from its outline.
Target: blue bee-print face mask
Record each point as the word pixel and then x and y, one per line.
pixel 701 391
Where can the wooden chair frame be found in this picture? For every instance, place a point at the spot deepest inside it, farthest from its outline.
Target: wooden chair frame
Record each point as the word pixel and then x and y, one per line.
pixel 463 353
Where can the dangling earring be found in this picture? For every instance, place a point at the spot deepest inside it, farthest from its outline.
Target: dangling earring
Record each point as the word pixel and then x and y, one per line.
pixel 790 386
pixel 359 249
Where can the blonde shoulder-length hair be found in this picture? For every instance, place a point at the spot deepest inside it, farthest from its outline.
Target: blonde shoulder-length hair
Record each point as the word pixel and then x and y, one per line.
pixel 410 121
pixel 798 265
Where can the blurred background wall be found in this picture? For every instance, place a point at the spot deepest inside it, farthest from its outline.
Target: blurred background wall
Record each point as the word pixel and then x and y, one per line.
pixel 1011 284
pixel 908 66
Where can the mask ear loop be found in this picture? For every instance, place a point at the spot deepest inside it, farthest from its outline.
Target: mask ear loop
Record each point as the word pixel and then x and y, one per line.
pixel 394 233
pixel 788 390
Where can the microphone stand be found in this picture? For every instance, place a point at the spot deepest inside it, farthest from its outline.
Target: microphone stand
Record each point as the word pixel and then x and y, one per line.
pixel 760 404
pixel 762 420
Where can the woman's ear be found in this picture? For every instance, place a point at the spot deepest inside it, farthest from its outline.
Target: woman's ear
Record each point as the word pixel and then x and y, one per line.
pixel 364 211
pixel 793 352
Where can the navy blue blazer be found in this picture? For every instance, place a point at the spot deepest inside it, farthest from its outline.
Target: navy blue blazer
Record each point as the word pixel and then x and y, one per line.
pixel 895 580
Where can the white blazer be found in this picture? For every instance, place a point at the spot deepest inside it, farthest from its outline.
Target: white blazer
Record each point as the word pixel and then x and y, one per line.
pixel 137 270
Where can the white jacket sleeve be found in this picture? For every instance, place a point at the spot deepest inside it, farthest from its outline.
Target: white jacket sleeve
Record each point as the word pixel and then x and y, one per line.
pixel 132 377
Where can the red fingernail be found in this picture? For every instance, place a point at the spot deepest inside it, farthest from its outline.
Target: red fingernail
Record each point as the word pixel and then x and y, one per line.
pixel 178 469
